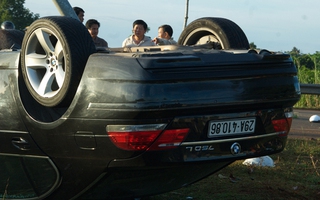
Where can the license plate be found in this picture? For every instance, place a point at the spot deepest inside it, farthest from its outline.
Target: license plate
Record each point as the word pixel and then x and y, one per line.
pixel 230 127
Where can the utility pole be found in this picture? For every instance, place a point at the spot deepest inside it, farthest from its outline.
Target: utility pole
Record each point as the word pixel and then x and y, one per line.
pixel 65 8
pixel 186 15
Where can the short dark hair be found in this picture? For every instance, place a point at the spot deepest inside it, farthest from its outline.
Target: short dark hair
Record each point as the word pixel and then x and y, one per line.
pixel 90 22
pixel 140 22
pixel 167 28
pixel 77 10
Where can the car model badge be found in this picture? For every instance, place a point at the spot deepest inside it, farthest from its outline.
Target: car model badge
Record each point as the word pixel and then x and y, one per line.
pixel 235 148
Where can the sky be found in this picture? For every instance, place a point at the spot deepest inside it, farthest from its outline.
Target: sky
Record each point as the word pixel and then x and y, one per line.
pixel 273 25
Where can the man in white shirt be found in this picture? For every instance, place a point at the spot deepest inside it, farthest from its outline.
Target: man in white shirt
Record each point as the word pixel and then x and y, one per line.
pixel 138 37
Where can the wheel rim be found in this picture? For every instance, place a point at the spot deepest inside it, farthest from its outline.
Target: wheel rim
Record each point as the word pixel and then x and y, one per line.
pixel 45 63
pixel 202 36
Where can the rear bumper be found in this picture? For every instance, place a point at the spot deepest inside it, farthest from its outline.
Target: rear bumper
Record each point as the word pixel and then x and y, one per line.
pixel 157 172
pixel 215 150
pixel 128 182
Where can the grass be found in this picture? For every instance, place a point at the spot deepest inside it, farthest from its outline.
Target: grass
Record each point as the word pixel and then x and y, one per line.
pixel 296 175
pixel 308 75
pixel 6 189
pixel 308 101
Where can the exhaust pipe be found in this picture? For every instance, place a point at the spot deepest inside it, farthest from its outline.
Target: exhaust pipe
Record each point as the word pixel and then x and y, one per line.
pixel 65 8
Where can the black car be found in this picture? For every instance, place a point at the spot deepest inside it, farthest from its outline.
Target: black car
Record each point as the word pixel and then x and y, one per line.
pixel 78 122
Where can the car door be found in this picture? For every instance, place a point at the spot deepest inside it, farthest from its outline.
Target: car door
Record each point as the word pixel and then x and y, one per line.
pixel 25 171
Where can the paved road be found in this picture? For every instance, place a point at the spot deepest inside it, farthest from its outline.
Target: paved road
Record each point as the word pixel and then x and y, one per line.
pixel 301 127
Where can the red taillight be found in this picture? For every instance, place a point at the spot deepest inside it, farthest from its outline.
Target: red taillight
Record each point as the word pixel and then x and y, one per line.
pixel 138 140
pixel 141 137
pixel 170 139
pixel 283 125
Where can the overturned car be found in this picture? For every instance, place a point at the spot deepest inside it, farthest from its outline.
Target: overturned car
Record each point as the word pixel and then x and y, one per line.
pixel 84 123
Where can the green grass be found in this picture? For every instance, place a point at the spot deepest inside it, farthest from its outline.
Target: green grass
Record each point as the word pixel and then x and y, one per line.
pixel 308 101
pixel 308 75
pixel 296 175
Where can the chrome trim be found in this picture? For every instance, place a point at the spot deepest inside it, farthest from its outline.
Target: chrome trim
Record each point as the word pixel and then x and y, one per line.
pixel 135 127
pixel 230 139
pixel 149 106
pixel 101 136
pixel 21 155
pixel 10 131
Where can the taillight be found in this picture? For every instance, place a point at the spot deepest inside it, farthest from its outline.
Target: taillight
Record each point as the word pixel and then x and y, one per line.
pixel 142 137
pixel 170 139
pixel 283 125
pixel 134 137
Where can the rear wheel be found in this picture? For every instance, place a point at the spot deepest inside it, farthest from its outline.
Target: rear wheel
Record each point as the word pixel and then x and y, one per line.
pixel 53 56
pixel 219 30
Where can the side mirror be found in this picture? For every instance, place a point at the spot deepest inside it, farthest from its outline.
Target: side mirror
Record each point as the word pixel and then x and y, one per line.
pixel 314 119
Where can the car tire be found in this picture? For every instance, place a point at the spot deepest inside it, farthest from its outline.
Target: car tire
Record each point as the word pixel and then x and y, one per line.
pixel 11 39
pixel 219 30
pixel 53 56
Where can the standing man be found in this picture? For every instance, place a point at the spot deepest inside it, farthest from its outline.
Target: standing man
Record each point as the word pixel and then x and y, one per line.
pixel 138 38
pixel 80 13
pixel 165 33
pixel 93 27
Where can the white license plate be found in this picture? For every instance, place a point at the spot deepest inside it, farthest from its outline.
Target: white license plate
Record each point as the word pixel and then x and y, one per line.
pixel 229 127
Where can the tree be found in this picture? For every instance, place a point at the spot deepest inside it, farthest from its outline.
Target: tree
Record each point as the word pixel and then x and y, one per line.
pixel 306 60
pixel 315 59
pixel 14 10
pixel 295 54
pixel 252 45
pixel 295 51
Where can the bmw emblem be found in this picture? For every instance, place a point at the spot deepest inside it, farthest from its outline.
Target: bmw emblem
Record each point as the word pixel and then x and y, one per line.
pixel 235 148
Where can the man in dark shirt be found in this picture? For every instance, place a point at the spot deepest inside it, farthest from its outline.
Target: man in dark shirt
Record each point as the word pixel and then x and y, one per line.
pixel 165 36
pixel 79 12
pixel 93 27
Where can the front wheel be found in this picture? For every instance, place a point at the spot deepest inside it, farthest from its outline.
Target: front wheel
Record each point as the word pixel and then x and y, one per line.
pixel 53 56
pixel 219 30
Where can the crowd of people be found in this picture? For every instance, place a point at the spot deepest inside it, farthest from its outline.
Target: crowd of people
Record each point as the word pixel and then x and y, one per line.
pixel 138 37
